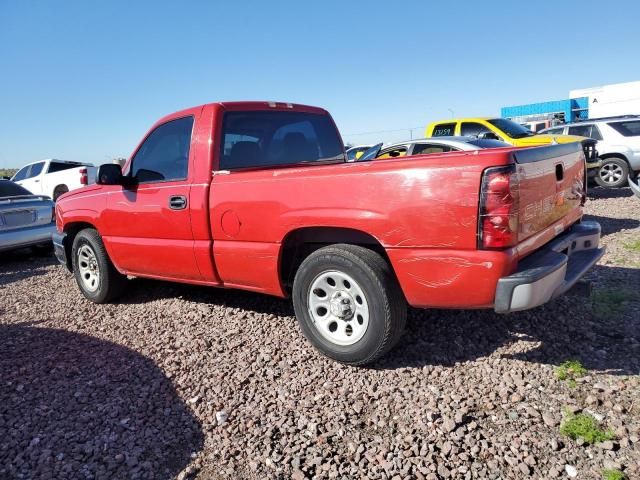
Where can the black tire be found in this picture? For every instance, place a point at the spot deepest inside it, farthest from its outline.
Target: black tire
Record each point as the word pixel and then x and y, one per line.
pixel 613 173
pixel 384 299
pixel 58 191
pixel 111 283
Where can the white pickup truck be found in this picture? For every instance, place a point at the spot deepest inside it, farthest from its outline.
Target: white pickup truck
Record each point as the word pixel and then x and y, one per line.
pixel 53 177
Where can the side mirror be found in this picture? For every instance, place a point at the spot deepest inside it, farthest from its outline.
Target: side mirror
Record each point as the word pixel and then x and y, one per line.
pixel 109 174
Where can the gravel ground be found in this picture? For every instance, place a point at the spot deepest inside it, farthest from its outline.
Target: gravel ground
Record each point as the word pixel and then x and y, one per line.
pixel 189 382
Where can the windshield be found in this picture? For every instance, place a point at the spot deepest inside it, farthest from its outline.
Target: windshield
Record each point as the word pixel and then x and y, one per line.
pixel 512 129
pixel 10 189
pixel 371 153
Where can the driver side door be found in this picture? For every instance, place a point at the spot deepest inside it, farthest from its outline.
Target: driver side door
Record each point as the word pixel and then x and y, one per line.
pixel 147 224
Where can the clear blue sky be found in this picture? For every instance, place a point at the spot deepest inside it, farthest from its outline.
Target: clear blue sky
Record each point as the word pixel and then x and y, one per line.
pixel 84 80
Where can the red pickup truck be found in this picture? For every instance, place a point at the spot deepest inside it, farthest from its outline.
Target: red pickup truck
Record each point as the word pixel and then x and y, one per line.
pixel 259 196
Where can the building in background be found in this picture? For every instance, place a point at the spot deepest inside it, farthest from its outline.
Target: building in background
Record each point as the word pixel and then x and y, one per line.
pixel 582 104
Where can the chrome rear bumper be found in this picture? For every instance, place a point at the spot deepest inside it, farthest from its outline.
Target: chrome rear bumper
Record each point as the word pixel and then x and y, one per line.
pixel 551 271
pixel 26 237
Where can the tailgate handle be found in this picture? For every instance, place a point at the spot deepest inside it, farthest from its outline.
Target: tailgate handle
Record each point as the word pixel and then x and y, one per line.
pixel 559 172
pixel 178 202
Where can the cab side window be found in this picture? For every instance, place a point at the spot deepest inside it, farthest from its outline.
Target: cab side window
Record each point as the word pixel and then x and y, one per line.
pixel 393 152
pixel 426 148
pixel 164 155
pixel 555 131
pixel 444 130
pixel 473 129
pixel 36 169
pixel 590 131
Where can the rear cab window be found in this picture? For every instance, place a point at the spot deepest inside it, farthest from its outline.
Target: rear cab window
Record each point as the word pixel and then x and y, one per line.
pixel 627 129
pixel 61 166
pixel 263 139
pixel 444 130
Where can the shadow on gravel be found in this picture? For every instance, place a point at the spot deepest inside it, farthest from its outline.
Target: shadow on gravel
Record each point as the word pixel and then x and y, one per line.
pixel 613 225
pixel 566 328
pixel 143 290
pixel 75 406
pixel 20 264
pixel 599 192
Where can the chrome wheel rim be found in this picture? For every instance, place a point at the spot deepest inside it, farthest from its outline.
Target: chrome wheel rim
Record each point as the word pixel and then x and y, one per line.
pixel 338 308
pixel 611 173
pixel 88 267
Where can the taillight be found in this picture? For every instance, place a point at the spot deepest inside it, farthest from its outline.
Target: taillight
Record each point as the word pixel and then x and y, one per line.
pixel 498 212
pixel 84 178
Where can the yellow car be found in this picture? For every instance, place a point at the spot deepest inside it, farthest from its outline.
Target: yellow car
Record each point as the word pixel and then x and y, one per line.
pixel 510 132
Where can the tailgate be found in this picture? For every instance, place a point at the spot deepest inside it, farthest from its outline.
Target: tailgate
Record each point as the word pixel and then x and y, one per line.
pixel 552 184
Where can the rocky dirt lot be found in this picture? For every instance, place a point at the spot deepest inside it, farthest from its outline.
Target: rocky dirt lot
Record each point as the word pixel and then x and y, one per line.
pixel 178 381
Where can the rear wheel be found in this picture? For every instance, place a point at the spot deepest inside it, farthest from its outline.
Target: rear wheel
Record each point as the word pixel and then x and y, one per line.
pixel 58 191
pixel 613 173
pixel 348 303
pixel 96 276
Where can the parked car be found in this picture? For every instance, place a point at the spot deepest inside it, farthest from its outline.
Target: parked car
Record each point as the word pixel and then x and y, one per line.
pixel 425 146
pixel 618 146
pixel 26 220
pixel 272 206
pixel 54 177
pixel 354 153
pixel 513 133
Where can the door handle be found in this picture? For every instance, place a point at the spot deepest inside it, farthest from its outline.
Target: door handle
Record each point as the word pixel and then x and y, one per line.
pixel 178 202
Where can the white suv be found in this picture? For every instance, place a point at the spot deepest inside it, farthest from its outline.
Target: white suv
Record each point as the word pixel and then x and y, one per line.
pixel 618 146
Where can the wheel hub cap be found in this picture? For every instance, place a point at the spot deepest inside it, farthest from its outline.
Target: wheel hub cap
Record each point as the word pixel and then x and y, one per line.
pixel 338 307
pixel 88 268
pixel 341 305
pixel 611 173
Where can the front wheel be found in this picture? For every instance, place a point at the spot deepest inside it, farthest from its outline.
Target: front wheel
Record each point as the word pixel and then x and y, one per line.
pixel 96 276
pixel 613 173
pixel 348 303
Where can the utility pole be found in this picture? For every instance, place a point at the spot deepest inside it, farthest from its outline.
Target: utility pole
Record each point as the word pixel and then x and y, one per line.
pixel 451 111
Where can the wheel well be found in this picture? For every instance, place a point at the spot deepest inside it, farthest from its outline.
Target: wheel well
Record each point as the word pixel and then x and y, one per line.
pixel 62 188
pixel 300 243
pixel 72 230
pixel 615 155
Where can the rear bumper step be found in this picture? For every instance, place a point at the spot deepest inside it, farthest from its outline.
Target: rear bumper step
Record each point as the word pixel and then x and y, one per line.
pixel 551 271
